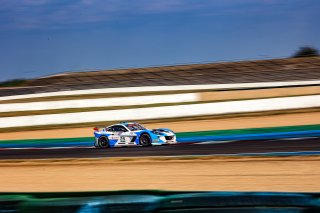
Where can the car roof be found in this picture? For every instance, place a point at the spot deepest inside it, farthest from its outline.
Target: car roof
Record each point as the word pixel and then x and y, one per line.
pixel 125 124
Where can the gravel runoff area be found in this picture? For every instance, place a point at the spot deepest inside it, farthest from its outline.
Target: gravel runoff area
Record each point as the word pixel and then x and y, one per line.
pixel 289 174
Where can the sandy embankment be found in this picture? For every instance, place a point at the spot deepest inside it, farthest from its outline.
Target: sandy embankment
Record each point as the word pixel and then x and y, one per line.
pixel 291 174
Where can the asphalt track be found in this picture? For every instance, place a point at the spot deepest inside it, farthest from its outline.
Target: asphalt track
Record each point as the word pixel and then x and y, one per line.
pixel 236 147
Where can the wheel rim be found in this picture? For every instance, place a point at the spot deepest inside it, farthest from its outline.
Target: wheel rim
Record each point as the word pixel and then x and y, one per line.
pixel 144 140
pixel 103 142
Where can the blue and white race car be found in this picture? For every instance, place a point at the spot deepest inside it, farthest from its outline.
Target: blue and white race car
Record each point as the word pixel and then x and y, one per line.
pixel 132 134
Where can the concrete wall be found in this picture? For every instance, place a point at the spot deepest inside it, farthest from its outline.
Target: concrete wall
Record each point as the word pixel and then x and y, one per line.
pixel 165 111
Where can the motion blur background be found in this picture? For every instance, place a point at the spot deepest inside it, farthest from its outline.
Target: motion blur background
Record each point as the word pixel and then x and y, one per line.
pixel 238 81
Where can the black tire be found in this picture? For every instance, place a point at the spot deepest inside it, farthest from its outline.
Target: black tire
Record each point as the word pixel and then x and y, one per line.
pixel 103 142
pixel 145 140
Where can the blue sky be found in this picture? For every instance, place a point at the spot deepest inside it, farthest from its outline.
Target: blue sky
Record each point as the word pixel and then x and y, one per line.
pixel 43 37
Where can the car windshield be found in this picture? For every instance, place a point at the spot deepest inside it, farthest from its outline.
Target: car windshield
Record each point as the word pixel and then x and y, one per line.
pixel 135 126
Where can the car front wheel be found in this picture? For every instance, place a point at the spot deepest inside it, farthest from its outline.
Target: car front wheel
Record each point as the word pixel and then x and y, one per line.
pixel 145 140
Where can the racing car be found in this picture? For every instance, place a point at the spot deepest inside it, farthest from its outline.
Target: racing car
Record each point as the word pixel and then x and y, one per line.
pixel 131 134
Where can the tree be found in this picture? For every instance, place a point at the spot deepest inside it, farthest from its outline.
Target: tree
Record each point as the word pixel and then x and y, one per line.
pixel 13 83
pixel 306 52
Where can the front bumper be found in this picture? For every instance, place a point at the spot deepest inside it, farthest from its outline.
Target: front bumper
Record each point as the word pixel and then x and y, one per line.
pixel 161 140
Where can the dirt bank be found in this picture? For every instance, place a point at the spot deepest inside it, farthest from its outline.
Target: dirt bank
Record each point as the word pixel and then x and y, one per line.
pixel 292 174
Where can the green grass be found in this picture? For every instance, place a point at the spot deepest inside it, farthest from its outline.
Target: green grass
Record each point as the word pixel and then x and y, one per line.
pixel 45 140
pixel 250 130
pixel 13 83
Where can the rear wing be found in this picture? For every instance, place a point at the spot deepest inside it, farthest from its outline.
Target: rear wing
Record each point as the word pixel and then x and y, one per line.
pixel 98 129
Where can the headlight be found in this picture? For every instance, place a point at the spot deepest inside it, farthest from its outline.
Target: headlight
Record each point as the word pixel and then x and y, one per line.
pixel 162 138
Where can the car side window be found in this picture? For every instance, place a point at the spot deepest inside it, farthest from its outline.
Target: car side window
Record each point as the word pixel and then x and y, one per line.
pixel 119 128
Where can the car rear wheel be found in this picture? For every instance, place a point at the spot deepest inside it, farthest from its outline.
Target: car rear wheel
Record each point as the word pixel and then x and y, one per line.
pixel 103 142
pixel 145 140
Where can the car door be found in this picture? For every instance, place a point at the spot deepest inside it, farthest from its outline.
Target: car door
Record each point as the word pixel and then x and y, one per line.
pixel 128 138
pixel 113 133
pixel 117 130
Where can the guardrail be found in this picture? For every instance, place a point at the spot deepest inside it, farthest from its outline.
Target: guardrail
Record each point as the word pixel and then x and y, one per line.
pixel 101 102
pixel 177 111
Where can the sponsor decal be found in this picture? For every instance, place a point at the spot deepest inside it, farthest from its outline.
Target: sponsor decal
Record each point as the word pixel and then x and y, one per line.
pixel 122 139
